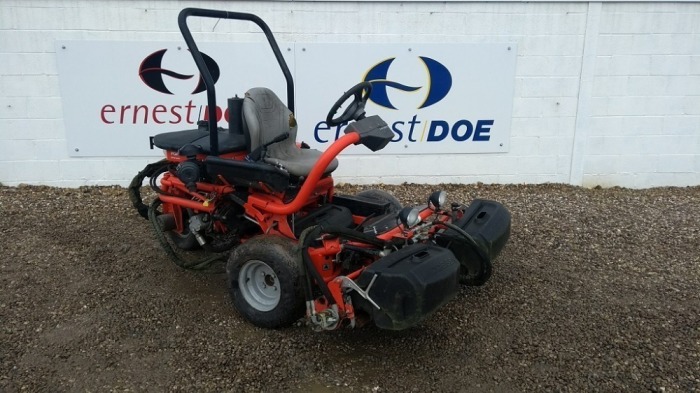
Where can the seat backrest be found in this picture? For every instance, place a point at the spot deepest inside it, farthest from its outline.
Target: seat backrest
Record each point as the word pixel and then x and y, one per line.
pixel 265 117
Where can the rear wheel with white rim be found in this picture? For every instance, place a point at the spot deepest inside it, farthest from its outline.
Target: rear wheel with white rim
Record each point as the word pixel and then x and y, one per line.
pixel 259 285
pixel 264 281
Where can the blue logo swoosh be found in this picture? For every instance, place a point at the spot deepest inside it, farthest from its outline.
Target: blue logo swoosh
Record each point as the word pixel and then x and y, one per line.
pixel 440 81
pixel 377 75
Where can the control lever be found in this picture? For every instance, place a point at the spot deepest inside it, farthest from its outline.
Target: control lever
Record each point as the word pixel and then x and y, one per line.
pixel 259 152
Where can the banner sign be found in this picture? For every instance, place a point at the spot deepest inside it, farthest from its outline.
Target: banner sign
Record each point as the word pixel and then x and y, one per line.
pixel 116 95
pixel 446 98
pixel 437 98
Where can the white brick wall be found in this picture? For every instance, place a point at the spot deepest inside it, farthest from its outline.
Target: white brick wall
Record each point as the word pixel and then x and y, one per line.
pixel 634 113
pixel 645 128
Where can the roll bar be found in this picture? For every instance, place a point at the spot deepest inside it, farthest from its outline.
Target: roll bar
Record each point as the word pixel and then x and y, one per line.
pixel 204 71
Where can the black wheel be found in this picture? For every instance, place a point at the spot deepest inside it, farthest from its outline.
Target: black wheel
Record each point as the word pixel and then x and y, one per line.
pixel 264 281
pixel 472 277
pixel 382 197
pixel 356 109
pixel 184 240
pixel 475 267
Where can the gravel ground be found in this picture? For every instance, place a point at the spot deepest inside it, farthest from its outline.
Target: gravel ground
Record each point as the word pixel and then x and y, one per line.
pixel 596 290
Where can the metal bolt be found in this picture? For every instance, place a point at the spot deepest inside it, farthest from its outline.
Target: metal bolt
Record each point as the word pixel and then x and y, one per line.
pixel 76 149
pixel 405 146
pixel 63 47
pixel 509 48
pixel 409 49
pixel 500 144
pixel 179 48
pixel 303 49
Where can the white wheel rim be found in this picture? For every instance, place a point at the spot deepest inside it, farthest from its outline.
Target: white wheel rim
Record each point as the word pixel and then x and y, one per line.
pixel 259 285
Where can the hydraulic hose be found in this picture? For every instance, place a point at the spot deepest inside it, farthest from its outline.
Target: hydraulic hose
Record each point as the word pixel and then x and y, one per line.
pixel 485 258
pixel 470 239
pixel 308 292
pixel 462 232
pixel 309 270
pixel 308 236
pixel 135 186
pixel 354 235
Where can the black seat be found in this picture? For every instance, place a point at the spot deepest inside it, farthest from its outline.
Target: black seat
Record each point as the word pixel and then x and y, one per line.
pixel 228 143
pixel 265 117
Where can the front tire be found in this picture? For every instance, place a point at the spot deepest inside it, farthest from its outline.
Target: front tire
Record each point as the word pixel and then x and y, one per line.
pixel 265 282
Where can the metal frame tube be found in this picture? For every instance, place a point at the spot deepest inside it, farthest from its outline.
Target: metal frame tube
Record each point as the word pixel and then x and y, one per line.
pixel 206 75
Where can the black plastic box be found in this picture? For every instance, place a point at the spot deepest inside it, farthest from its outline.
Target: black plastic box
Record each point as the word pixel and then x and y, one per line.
pixel 411 284
pixel 488 223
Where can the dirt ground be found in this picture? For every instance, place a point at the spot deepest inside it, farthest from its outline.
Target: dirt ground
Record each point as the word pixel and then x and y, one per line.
pixel 597 290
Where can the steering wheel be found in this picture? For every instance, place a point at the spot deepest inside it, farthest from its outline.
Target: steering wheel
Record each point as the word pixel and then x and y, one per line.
pixel 356 110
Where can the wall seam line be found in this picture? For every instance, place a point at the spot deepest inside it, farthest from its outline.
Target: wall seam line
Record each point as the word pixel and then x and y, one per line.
pixel 583 108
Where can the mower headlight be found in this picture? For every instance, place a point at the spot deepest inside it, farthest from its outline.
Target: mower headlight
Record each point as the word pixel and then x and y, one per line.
pixel 437 199
pixel 409 216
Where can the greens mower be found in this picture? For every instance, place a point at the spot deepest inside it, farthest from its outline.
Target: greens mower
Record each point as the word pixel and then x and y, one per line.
pixel 293 245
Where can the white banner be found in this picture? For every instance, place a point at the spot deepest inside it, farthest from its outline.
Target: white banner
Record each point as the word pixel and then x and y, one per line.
pixel 117 94
pixel 447 98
